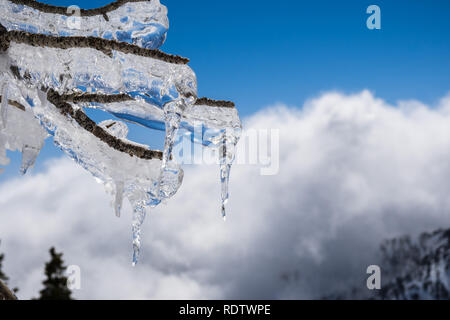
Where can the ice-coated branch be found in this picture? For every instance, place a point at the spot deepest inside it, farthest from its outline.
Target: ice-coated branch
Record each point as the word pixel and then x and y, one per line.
pixel 61 102
pixel 95 98
pixel 103 45
pixel 48 8
pixel 140 22
pixel 5 293
pixel 89 125
pixel 214 103
pixel 51 70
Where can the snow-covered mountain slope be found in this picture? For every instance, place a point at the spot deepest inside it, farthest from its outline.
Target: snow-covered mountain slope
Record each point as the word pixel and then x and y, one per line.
pixel 418 269
pixel 411 269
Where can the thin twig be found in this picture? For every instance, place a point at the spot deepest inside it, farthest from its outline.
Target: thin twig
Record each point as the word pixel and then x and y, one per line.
pixel 14 104
pixel 215 103
pixel 89 125
pixel 95 98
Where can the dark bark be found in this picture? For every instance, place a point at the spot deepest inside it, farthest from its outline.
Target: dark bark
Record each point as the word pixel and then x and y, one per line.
pixel 89 125
pixel 103 45
pixel 215 103
pixel 6 293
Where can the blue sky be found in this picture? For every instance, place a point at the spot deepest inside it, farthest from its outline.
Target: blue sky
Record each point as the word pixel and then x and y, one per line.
pixel 257 53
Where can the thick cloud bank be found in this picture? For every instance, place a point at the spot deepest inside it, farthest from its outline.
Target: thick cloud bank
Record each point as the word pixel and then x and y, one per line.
pixel 353 171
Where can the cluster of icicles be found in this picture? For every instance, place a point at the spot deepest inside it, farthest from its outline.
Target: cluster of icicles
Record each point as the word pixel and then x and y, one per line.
pixel 51 71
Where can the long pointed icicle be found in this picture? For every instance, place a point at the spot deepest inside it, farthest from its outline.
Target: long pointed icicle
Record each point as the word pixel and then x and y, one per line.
pixel 227 152
pixel 173 111
pixel 4 105
pixel 139 214
pixel 224 177
pixel 118 198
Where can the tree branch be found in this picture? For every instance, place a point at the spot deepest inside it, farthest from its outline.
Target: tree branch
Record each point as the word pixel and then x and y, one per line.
pixel 214 103
pixel 89 125
pixel 5 293
pixel 61 102
pixel 14 104
pixel 103 45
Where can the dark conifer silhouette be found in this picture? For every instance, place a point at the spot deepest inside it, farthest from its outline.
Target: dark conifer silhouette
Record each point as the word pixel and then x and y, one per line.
pixel 3 276
pixel 55 285
pixel 5 293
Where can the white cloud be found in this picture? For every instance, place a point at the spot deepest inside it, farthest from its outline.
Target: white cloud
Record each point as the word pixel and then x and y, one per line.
pixel 353 171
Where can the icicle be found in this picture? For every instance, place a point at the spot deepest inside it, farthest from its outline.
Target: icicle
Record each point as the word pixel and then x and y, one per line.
pixel 224 180
pixel 224 174
pixel 139 214
pixel 118 197
pixel 224 214
pixel 29 155
pixel 172 111
pixel 3 159
pixel 227 153
pixel 4 105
